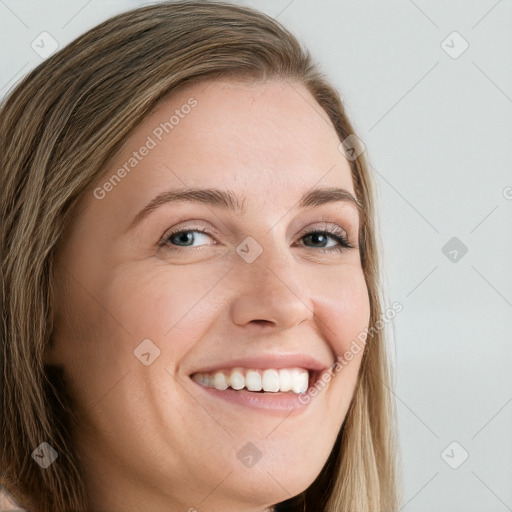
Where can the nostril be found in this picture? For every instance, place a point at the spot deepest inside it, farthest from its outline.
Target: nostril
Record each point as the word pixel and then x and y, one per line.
pixel 262 322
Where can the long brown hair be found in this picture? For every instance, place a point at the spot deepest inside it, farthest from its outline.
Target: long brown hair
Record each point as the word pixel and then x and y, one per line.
pixel 60 128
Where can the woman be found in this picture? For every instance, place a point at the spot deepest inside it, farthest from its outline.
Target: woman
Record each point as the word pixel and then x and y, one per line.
pixel 191 310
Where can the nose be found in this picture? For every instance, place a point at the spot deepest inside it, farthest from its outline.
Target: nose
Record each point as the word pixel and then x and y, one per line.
pixel 271 292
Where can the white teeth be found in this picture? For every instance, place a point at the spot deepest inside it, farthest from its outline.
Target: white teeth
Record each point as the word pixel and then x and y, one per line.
pixel 285 379
pixel 219 381
pixel 299 381
pixel 253 380
pixel 271 380
pixel 237 379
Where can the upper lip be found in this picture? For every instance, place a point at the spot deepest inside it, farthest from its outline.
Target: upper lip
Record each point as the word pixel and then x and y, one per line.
pixel 266 361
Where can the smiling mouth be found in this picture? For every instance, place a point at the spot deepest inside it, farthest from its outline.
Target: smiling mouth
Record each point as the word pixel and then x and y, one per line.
pixel 283 380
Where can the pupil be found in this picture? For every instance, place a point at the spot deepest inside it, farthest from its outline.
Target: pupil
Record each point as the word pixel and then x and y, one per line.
pixel 184 237
pixel 316 236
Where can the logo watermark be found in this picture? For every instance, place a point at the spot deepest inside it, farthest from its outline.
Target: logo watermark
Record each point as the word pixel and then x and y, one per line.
pixel 356 347
pixel 152 141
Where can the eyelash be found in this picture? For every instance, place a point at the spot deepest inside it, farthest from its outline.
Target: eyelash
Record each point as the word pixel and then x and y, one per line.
pixel 335 232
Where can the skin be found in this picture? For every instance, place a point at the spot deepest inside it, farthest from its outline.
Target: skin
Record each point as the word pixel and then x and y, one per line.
pixel 148 437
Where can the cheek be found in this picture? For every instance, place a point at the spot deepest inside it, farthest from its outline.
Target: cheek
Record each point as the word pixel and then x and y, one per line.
pixel 343 311
pixel 343 307
pixel 106 322
pixel 159 302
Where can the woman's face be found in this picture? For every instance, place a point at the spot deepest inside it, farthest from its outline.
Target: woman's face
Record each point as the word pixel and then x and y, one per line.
pixel 148 320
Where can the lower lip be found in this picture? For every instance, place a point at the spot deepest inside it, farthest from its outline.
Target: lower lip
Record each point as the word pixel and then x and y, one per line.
pixel 279 402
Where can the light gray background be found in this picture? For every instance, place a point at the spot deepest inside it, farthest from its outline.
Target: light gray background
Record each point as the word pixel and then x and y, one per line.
pixel 438 132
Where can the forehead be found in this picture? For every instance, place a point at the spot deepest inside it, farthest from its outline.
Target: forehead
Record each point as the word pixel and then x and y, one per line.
pixel 269 140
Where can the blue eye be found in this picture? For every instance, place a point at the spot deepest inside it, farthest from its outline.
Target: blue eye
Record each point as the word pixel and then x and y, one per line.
pixel 181 238
pixel 337 235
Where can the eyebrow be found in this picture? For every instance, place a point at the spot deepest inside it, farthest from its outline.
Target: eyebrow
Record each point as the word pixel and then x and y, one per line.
pixel 228 200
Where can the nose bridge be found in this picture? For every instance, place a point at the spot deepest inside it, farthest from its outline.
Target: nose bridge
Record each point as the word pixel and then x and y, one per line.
pixel 266 257
pixel 271 286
